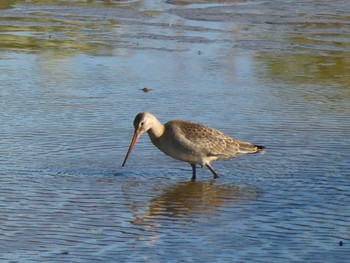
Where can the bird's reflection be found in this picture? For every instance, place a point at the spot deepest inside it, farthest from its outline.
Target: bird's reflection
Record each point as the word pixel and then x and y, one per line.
pixel 186 199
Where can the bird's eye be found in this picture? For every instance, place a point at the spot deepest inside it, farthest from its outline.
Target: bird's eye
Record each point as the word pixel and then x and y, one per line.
pixel 142 123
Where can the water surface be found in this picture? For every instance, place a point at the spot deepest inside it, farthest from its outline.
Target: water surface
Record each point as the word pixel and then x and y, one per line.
pixel 71 74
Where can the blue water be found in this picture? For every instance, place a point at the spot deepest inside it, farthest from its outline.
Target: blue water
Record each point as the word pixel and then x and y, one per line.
pixel 71 74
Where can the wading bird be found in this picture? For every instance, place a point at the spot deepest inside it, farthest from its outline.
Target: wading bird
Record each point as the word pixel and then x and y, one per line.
pixel 190 142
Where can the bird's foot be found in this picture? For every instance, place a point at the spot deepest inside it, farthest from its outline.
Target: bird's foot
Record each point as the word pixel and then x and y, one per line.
pixel 212 170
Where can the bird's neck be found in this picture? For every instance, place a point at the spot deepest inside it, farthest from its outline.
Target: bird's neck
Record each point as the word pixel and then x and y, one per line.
pixel 157 129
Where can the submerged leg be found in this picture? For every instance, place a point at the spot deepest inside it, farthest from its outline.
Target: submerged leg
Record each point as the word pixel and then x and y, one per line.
pixel 193 171
pixel 212 170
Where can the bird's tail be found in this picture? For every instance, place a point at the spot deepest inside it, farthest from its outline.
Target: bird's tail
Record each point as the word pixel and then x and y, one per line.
pixel 260 149
pixel 246 147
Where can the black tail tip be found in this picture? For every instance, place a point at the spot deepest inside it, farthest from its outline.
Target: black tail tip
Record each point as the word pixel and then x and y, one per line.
pixel 260 149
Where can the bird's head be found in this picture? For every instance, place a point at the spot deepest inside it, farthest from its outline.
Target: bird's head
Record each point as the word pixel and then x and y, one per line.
pixel 142 123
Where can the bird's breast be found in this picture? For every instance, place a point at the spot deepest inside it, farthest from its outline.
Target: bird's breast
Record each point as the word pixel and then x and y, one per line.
pixel 175 146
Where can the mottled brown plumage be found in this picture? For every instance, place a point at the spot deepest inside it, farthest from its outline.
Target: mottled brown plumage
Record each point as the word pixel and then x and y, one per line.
pixel 190 142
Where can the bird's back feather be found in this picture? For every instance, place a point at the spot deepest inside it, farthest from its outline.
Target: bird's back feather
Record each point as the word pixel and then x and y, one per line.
pixel 209 142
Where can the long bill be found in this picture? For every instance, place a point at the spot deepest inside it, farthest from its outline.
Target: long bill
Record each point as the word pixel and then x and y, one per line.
pixel 132 144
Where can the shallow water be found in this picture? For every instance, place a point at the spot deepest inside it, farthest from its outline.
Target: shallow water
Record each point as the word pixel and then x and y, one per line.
pixel 71 74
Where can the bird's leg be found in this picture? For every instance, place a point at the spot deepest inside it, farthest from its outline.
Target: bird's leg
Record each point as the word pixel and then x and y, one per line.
pixel 212 170
pixel 193 171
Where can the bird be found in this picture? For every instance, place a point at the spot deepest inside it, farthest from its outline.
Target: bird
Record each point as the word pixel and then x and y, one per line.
pixel 190 142
pixel 146 89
